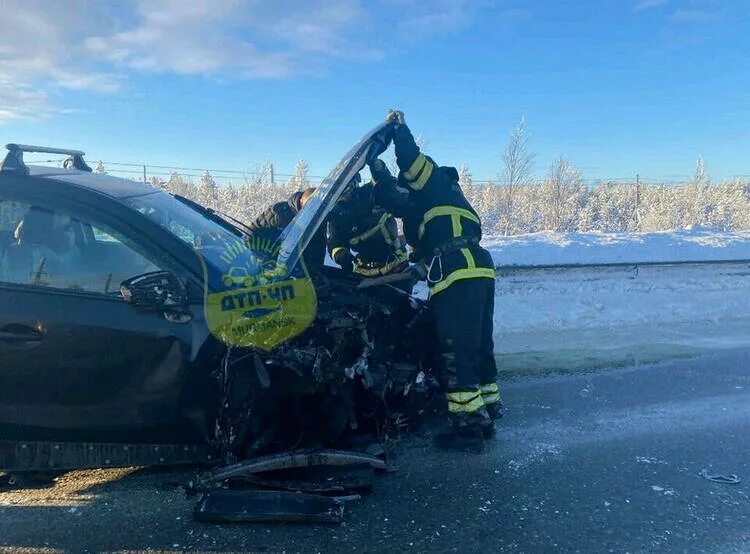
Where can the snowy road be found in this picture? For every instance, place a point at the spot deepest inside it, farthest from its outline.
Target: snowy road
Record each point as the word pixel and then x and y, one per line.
pixel 599 462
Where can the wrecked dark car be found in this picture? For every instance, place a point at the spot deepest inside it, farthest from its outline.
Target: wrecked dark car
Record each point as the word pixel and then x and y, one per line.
pixel 140 328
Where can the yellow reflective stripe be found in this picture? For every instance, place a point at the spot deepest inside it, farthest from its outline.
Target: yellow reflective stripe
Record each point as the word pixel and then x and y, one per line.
pixel 460 274
pixel 423 178
pixel 456 224
pixel 490 393
pixel 491 398
pixel 380 225
pixel 469 257
pixel 462 396
pixel 464 402
pixel 336 251
pixel 384 229
pixel 489 388
pixel 415 167
pixel 454 211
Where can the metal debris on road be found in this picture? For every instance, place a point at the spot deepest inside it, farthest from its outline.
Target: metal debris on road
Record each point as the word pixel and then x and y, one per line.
pixel 730 479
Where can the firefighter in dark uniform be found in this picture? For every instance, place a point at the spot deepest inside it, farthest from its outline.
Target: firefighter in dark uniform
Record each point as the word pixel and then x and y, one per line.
pixel 358 225
pixel 277 216
pixel 444 231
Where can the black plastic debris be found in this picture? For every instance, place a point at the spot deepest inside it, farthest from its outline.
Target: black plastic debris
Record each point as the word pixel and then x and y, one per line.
pixel 344 480
pixel 233 506
pixel 730 479
pixel 289 460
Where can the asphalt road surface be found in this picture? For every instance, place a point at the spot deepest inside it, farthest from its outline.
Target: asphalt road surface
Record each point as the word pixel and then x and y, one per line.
pixel 603 462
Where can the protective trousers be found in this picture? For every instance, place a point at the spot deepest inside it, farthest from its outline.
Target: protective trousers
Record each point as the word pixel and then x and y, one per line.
pixel 464 326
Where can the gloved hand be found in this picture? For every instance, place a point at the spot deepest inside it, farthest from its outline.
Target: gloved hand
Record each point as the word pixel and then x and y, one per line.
pixel 379 171
pixel 386 192
pixel 395 116
pixel 345 259
pixel 418 272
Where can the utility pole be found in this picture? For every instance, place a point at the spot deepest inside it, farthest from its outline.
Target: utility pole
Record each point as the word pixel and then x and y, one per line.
pixel 272 179
pixel 144 175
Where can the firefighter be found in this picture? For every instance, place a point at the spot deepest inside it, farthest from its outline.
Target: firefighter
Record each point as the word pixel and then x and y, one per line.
pixel 444 231
pixel 360 226
pixel 277 216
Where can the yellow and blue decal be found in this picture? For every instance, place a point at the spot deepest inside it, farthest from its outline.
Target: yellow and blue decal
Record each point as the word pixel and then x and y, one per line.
pixel 252 301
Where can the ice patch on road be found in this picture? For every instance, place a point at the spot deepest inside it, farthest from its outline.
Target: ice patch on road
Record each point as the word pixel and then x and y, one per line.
pixel 663 490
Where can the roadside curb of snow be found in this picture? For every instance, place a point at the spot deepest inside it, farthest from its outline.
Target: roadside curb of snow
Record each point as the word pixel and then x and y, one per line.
pixel 539 363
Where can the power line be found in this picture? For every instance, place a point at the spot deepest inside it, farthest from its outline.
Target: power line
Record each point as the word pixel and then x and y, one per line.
pixel 167 170
pixel 210 170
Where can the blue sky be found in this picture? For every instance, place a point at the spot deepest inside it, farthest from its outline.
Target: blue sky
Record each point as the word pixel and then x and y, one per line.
pixel 618 86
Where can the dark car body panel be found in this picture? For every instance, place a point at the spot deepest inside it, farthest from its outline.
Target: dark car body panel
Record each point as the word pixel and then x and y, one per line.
pixel 84 369
pixel 97 368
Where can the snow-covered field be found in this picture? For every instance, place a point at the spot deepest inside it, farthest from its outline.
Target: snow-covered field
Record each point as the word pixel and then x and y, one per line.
pixel 548 316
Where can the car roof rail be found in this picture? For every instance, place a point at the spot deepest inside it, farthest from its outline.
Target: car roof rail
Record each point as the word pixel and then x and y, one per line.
pixel 13 161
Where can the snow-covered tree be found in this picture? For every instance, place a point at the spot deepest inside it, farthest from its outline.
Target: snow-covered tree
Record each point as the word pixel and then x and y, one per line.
pixel 516 172
pixel 465 181
pixel 563 195
pixel 208 191
pixel 517 160
pixel 561 201
pixel 701 178
pixel 157 182
pixel 464 177
pixel 299 179
pixel 99 168
pixel 177 185
pixel 608 207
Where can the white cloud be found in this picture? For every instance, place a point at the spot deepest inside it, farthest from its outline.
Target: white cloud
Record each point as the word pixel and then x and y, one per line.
pixel 246 38
pixel 190 37
pixel 416 18
pixel 20 102
pixel 92 46
pixel 81 45
pixel 40 45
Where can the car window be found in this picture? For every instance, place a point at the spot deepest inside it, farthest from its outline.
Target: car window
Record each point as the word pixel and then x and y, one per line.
pixel 102 236
pixel 44 246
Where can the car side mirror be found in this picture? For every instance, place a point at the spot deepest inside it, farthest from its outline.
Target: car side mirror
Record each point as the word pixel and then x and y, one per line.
pixel 158 290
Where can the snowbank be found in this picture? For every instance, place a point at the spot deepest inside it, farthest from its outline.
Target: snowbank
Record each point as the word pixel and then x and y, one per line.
pixel 550 249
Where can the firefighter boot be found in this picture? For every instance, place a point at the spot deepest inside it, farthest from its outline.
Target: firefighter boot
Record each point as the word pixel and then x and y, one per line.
pixel 464 434
pixel 495 412
pixel 494 407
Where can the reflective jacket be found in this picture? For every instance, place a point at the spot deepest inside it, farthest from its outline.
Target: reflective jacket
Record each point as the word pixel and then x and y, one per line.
pixel 358 225
pixel 440 224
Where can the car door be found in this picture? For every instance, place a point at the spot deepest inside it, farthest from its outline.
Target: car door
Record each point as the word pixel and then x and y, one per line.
pixel 77 363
